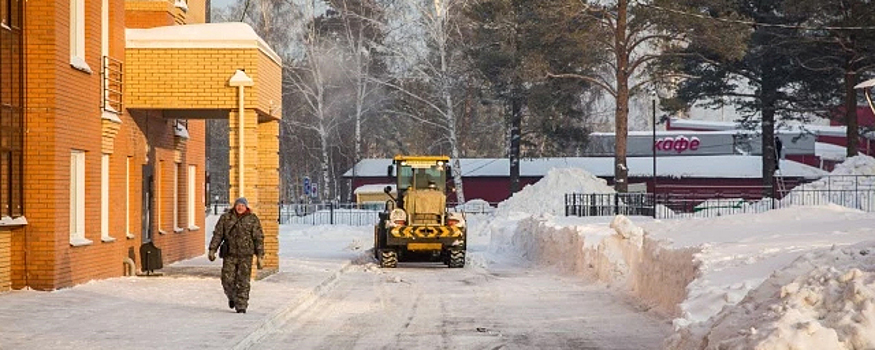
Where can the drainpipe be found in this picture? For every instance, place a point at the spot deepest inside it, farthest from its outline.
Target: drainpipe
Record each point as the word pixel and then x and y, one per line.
pixel 130 267
pixel 240 80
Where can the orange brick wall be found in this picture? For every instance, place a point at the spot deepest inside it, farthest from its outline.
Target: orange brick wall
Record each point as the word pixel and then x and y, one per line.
pixel 197 78
pixel 63 113
pixel 148 14
pixel 269 81
pixel 5 260
pixel 148 19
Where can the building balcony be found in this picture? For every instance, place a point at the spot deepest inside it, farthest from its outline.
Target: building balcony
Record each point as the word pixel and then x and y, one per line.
pixel 184 71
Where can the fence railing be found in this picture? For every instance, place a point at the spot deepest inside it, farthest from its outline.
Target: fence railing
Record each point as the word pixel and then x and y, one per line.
pixel 668 205
pixel 113 79
pixel 353 214
pixel 852 191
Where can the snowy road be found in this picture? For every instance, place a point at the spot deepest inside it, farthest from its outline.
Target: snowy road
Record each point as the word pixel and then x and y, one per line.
pixel 427 306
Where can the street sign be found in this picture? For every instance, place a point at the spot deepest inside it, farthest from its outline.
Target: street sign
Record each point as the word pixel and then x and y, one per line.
pixel 314 190
pixel 306 186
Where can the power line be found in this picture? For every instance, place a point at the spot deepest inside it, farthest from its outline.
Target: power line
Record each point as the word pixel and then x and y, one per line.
pixel 752 23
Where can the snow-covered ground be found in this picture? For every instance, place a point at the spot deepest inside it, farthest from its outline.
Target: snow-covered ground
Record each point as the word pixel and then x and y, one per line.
pixel 793 278
pixel 185 309
pixel 782 279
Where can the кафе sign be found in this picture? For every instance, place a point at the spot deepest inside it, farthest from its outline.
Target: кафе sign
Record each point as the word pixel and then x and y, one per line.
pixel 693 143
pixel 677 144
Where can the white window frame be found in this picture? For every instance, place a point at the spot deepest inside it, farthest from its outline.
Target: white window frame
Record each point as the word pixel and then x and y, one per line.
pixel 104 198
pixel 77 35
pixel 192 198
pixel 176 168
pixel 77 199
pixel 128 199
pixel 159 200
pixel 104 28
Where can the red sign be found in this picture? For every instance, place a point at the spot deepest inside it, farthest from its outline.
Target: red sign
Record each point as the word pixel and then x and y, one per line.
pixel 678 144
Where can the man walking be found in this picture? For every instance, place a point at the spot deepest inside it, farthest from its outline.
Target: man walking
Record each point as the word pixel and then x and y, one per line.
pixel 239 234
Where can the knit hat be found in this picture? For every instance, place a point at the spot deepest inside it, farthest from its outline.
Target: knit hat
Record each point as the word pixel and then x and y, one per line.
pixel 242 200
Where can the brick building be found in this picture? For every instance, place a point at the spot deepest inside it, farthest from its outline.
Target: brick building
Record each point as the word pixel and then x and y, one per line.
pixel 102 133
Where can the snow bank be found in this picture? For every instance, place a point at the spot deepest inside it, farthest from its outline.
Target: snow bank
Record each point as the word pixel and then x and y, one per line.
pixel 547 196
pixel 848 185
pixel 616 252
pixel 476 206
pixel 686 269
pixel 823 300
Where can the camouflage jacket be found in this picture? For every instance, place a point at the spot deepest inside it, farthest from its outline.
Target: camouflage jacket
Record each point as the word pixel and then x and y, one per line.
pixel 241 235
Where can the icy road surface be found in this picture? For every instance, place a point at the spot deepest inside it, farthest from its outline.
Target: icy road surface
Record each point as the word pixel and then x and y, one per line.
pixel 503 306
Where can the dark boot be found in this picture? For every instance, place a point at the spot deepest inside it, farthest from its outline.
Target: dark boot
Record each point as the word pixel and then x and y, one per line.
pixel 230 303
pixel 241 311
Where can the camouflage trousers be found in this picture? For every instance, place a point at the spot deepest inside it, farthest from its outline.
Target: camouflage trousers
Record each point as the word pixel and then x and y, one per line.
pixel 236 273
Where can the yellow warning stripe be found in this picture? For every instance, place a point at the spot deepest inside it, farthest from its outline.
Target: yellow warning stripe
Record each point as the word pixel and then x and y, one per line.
pixel 426 232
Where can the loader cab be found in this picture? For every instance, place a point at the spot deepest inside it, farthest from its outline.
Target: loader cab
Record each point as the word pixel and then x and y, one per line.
pixel 422 188
pixel 416 222
pixel 419 174
pixel 432 177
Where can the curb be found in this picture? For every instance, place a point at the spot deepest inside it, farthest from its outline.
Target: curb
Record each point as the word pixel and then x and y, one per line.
pixel 291 310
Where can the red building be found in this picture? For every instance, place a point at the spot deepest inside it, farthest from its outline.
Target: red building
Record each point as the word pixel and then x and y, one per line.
pixel 829 149
pixel 704 176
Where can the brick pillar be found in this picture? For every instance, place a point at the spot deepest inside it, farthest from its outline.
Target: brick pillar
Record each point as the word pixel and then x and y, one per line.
pixel 5 260
pixel 268 190
pixel 250 157
pixel 260 176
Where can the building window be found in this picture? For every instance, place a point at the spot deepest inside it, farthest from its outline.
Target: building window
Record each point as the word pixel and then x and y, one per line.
pixel 104 199
pixel 77 35
pixel 11 111
pixel 77 199
pixel 5 13
pixel 128 198
pixel 192 196
pixel 176 184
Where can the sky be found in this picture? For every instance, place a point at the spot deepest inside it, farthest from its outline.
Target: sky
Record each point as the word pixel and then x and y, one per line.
pixel 220 3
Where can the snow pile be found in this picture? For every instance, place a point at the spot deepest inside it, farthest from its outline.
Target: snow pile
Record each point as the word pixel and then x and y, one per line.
pixel 851 184
pixel 547 196
pixel 857 165
pixel 614 251
pixel 824 300
pixel 687 269
pixel 476 206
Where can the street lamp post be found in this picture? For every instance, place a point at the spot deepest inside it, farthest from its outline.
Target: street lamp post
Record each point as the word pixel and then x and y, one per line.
pixel 653 146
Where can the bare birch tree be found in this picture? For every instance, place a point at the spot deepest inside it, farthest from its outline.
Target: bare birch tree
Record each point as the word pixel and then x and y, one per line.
pixel 437 63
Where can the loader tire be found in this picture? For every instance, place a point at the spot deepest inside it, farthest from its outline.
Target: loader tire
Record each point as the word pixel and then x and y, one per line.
pixel 457 259
pixel 388 258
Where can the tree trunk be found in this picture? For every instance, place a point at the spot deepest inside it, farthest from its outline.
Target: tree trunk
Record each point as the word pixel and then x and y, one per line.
pixel 851 112
pixel 769 158
pixel 325 166
pixel 621 114
pixel 357 152
pixel 454 145
pixel 450 115
pixel 515 135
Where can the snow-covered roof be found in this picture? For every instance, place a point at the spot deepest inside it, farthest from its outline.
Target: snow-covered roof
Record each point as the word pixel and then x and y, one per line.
pixel 667 133
pixel 819 130
pixel 229 35
pixel 376 188
pixel 829 151
pixel 731 166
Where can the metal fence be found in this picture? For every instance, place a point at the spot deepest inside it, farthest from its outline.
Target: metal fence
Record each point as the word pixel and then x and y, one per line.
pixel 328 214
pixel 354 214
pixel 856 192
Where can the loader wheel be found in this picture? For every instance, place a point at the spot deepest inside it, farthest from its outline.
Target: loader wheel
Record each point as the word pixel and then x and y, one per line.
pixel 377 245
pixel 457 259
pixel 388 258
